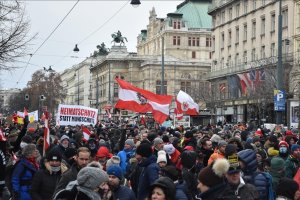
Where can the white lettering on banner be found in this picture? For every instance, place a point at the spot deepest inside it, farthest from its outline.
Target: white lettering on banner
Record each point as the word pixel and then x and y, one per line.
pixel 76 115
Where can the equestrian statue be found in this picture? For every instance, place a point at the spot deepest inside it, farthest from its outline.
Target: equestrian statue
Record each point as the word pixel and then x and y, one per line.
pixel 118 38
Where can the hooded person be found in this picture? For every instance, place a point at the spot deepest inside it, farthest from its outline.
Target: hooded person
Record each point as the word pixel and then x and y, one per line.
pixel 89 180
pixel 126 154
pixel 63 146
pixel 218 153
pixel 164 188
pixel 212 179
pixel 93 146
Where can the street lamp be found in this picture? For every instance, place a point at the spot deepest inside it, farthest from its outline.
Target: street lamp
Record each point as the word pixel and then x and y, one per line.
pixel 162 66
pixel 76 49
pixel 135 3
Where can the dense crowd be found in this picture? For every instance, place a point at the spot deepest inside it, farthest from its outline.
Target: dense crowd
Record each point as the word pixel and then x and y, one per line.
pixel 128 162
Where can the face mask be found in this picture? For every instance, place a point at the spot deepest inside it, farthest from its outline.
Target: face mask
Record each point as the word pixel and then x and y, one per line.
pixel 282 149
pixel 92 146
pixel 23 144
pixel 55 169
pixel 65 145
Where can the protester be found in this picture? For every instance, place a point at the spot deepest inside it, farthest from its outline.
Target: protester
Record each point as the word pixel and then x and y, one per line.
pixel 23 173
pixel 292 163
pixel 162 189
pixel 126 154
pixel 81 160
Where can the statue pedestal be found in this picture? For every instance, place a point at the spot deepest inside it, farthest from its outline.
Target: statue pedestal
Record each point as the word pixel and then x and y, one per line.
pixel 117 52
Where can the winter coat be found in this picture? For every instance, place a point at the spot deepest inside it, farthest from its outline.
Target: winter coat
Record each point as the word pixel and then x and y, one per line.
pixel 124 193
pixel 22 178
pixel 77 192
pixel 67 177
pixel 243 191
pixel 44 183
pixel 191 181
pixel 213 193
pixel 181 191
pixel 175 157
pixel 125 155
pixel 217 154
pixel 149 174
pixel 291 166
pixel 206 155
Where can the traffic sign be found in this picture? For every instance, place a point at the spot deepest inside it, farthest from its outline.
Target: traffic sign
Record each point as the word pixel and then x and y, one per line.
pixel 279 100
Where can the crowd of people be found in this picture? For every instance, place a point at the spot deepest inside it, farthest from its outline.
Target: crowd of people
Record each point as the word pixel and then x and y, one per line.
pixel 128 162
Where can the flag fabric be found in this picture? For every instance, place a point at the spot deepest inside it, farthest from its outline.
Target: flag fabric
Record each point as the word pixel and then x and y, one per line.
pixel 86 133
pixel 2 136
pixel 222 87
pixel 185 104
pixel 46 133
pixel 142 101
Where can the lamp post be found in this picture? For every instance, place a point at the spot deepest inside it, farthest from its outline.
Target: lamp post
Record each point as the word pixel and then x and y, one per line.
pixel 162 66
pixel 279 69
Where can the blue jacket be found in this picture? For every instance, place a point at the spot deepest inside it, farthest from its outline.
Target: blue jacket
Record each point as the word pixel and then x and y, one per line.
pixel 124 193
pixel 124 156
pixel 22 178
pixel 149 174
pixel 181 191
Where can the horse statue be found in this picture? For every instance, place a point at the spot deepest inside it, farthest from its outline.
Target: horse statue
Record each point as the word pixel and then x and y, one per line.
pixel 118 38
pixel 102 49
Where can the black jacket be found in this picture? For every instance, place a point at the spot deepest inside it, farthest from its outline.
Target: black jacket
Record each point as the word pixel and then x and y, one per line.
pixel 68 176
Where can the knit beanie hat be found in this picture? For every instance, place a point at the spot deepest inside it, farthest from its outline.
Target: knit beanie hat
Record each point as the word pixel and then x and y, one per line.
pixel 295 147
pixel 27 139
pixel 54 155
pixel 103 152
pixel 277 163
pixel 255 139
pixel 161 156
pixel 222 143
pixel 283 143
pixel 188 134
pixel 144 149
pixel 115 160
pixel 130 142
pixel 169 148
pixel 91 177
pixel 70 152
pixel 287 187
pixel 64 137
pixel 214 175
pixel 116 171
pixel 230 149
pixel 28 150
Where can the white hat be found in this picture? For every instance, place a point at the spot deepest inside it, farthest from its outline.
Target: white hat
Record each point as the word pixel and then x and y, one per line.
pixel 169 148
pixel 161 156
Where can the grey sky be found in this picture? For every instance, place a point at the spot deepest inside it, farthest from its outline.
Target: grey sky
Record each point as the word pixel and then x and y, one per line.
pixel 86 18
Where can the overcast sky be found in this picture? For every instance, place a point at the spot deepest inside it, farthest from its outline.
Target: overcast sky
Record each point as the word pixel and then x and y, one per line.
pixel 89 24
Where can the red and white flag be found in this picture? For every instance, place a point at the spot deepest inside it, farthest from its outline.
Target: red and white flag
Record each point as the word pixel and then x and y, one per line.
pixel 185 104
pixel 142 101
pixel 46 133
pixel 86 133
pixel 2 136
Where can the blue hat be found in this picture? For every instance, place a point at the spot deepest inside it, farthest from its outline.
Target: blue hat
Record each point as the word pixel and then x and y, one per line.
pixel 116 171
pixel 295 147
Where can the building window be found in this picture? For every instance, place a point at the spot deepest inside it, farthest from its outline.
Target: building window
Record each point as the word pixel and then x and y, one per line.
pixel 176 24
pixel 285 18
pixel 230 13
pixel 229 38
pixel 254 4
pixel 208 42
pixel 213 43
pixel 158 87
pixel 253 29
pixel 253 55
pixel 190 41
pixel 186 86
pixel 209 55
pixel 236 59
pixel 273 20
pixel 194 41
pixel 263 52
pixel 245 6
pixel 198 41
pixel 245 57
pixel 176 40
pixel 222 63
pixel 263 26
pixel 237 35
pixel 228 64
pixel 222 40
pixel 272 49
pixel 193 54
pixel 223 17
pixel 245 32
pixel 116 89
pixel 237 10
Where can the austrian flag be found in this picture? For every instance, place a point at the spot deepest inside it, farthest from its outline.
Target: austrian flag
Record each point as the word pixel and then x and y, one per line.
pixel 185 104
pixel 142 101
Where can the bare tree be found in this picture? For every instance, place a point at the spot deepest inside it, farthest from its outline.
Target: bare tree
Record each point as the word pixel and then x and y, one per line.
pixel 14 28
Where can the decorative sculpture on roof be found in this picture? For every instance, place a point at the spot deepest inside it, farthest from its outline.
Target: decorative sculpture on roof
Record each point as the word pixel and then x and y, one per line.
pixel 118 38
pixel 102 49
